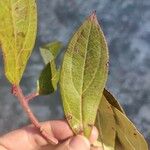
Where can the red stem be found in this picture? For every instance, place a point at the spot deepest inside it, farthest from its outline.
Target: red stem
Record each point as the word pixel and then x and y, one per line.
pixel 31 96
pixel 17 91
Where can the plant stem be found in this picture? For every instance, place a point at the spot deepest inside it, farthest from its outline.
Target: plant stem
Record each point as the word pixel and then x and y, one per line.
pixel 17 91
pixel 31 96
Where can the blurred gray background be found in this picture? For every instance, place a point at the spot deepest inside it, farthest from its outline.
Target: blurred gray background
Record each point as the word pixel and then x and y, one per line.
pixel 126 24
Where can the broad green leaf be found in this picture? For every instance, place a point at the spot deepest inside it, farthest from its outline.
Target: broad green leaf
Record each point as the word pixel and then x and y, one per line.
pixel 127 134
pixel 50 51
pixel 49 76
pixel 106 125
pixel 18 23
pixel 83 75
pixel 111 99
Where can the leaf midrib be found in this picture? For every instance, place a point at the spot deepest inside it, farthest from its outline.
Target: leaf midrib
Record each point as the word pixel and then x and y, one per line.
pixel 14 32
pixel 81 97
pixel 28 26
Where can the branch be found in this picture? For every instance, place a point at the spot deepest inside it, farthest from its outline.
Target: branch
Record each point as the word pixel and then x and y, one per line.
pixel 17 91
pixel 31 96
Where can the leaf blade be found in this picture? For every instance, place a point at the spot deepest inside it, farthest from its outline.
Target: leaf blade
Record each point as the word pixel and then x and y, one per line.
pixel 18 27
pixel 47 82
pixel 128 135
pixel 106 125
pixel 79 78
pixel 49 76
pixel 112 100
pixel 50 51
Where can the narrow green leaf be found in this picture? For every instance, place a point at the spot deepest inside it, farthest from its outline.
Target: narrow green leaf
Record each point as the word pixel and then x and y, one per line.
pixel 125 135
pixel 128 135
pixel 49 76
pixel 106 125
pixel 112 100
pixel 83 75
pixel 18 23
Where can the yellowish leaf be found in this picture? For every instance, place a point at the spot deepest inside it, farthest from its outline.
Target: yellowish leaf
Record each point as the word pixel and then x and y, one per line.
pixel 18 23
pixel 128 135
pixel 105 122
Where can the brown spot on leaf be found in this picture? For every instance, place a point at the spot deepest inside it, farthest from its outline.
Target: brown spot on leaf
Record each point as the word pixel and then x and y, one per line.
pixel 109 108
pixel 81 132
pixel 21 34
pixel 82 34
pixel 90 125
pixel 78 130
pixel 113 128
pixel 13 35
pixel 76 50
pixel 135 134
pixel 69 117
pixel 107 64
pixel 16 8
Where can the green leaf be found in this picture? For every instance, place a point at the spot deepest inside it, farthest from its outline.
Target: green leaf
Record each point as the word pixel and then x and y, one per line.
pixel 48 80
pixel 18 24
pixel 83 75
pixel 128 136
pixel 50 51
pixel 116 131
pixel 112 100
pixel 49 76
pixel 106 125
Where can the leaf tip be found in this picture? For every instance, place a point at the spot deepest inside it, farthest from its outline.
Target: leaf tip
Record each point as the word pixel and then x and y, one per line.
pixel 93 17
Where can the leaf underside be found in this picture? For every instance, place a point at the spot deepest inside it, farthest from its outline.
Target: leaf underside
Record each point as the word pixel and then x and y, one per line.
pixel 83 76
pixel 17 35
pixel 105 122
pixel 112 119
pixel 128 136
